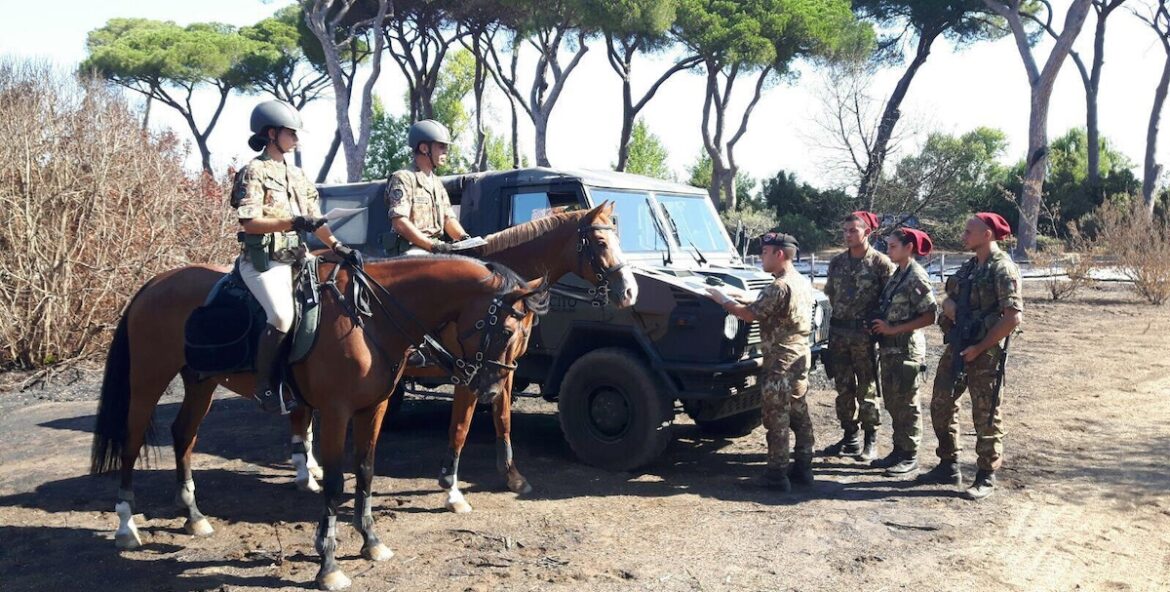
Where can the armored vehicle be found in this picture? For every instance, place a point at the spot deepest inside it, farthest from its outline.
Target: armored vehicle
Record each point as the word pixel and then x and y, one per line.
pixel 619 377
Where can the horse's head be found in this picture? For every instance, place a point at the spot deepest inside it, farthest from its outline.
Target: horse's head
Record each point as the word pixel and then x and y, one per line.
pixel 499 327
pixel 601 262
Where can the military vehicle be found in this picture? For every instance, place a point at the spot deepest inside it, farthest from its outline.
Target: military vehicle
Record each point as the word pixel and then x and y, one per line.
pixel 618 376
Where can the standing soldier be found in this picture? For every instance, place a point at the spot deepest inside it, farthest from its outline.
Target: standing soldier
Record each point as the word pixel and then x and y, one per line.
pixel 275 202
pixel 782 309
pixel 420 211
pixel 984 306
pixel 856 279
pixel 907 306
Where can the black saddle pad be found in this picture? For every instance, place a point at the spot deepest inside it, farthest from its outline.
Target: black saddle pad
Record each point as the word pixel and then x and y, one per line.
pixel 221 335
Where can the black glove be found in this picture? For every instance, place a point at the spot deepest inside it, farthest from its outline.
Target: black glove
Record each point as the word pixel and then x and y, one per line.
pixel 348 254
pixel 307 224
pixel 440 247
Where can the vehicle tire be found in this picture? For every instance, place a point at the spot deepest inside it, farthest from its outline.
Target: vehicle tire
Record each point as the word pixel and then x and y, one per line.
pixel 732 426
pixel 613 411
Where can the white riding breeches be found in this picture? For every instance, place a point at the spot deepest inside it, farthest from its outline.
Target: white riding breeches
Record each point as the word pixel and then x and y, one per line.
pixel 273 289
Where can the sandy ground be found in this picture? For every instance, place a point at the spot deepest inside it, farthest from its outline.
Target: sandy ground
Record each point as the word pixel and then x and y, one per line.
pixel 1084 499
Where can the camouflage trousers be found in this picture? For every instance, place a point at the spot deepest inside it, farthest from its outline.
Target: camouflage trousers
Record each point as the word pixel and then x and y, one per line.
pixel 853 375
pixel 901 378
pixel 786 409
pixel 944 409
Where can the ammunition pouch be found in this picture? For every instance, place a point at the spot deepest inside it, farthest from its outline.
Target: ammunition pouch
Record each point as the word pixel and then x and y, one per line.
pixel 827 362
pixel 263 249
pixel 910 373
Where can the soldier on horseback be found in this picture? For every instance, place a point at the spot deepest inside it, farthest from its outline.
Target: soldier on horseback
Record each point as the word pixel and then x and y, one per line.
pixel 420 210
pixel 275 202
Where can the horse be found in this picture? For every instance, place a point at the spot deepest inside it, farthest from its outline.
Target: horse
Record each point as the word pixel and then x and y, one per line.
pixel 584 242
pixel 348 376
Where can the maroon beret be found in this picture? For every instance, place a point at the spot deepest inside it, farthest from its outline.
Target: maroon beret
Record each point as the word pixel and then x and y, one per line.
pixel 869 218
pixel 920 241
pixel 999 227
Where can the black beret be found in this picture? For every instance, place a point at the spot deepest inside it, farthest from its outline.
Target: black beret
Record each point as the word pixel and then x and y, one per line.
pixel 779 239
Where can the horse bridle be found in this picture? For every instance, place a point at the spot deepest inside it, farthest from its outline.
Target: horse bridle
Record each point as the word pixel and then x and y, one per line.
pixel 489 328
pixel 587 249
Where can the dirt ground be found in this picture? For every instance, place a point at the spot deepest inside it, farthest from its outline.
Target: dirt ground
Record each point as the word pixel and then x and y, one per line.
pixel 1084 501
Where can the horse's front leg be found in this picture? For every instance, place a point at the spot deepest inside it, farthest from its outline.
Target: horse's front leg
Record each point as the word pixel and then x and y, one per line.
pixel 308 471
pixel 366 426
pixel 461 414
pixel 330 576
pixel 505 462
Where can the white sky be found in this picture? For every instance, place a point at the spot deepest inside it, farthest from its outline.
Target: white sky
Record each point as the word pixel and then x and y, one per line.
pixel 954 92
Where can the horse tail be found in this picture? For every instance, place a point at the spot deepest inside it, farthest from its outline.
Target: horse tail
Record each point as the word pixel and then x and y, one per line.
pixel 111 427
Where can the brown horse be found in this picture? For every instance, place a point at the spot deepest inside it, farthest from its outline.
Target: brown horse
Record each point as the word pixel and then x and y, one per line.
pixel 583 242
pixel 349 374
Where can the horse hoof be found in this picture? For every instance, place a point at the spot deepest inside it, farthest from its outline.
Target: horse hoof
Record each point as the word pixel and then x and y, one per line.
pixel 199 528
pixel 519 486
pixel 377 552
pixel 334 580
pixel 317 472
pixel 127 541
pixel 310 485
pixel 459 507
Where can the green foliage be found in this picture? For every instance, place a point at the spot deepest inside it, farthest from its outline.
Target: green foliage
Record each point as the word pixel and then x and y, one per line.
pixel 700 176
pixel 963 22
pixel 283 45
pixel 811 215
pixel 456 80
pixel 499 152
pixel 753 218
pixel 1068 195
pixel 648 155
pixel 388 151
pixel 645 22
pixel 949 177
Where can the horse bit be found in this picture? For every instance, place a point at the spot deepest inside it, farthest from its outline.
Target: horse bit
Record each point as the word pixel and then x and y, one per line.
pixel 467 371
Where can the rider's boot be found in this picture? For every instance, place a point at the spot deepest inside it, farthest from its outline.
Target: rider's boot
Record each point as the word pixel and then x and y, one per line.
pixel 267 365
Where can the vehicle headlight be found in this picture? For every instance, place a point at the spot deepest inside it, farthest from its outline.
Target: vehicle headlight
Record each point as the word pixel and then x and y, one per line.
pixel 818 315
pixel 730 327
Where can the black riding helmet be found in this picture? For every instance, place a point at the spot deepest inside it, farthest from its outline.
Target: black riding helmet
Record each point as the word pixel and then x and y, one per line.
pixel 425 132
pixel 272 114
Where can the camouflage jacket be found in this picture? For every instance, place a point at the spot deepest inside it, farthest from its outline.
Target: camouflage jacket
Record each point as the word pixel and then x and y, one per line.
pixel 855 285
pixel 420 198
pixel 784 311
pixel 995 287
pixel 908 295
pixel 266 188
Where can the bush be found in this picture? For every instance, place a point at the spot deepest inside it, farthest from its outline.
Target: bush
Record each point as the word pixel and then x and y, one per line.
pixel 1141 245
pixel 1067 270
pixel 93 206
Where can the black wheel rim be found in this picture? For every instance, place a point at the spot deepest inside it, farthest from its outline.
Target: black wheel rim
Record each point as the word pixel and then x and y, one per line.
pixel 609 413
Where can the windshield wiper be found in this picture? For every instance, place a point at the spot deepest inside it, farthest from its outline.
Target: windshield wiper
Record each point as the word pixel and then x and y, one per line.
pixel 701 260
pixel 667 259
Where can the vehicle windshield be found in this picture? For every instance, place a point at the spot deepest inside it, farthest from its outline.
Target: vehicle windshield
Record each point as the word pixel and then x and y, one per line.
pixel 635 220
pixel 695 222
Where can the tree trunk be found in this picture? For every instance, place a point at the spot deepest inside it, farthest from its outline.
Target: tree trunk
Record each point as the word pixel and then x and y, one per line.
pixel 480 162
pixel 204 152
pixel 329 156
pixel 867 189
pixel 540 123
pixel 515 137
pixel 146 114
pixel 1152 169
pixel 628 115
pixel 732 201
pixel 1092 129
pixel 1035 171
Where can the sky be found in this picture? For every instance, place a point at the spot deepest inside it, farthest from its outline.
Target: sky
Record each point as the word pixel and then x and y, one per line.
pixel 954 92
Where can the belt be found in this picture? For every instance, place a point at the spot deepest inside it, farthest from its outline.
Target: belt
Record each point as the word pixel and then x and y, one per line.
pixel 853 324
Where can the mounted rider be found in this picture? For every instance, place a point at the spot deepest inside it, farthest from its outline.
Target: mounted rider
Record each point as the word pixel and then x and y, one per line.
pixel 420 210
pixel 275 202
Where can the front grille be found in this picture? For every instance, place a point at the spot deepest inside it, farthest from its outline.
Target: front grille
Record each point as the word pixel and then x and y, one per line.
pixel 758 284
pixel 753 336
pixel 685 297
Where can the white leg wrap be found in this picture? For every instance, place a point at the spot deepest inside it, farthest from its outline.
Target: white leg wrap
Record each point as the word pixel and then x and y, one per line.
pixel 456 502
pixel 126 536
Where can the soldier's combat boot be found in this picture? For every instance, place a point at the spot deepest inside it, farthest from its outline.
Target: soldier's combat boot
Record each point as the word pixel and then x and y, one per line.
pixel 906 466
pixel 848 445
pixel 983 486
pixel 891 459
pixel 800 471
pixel 946 473
pixel 869 449
pixel 267 364
pixel 775 479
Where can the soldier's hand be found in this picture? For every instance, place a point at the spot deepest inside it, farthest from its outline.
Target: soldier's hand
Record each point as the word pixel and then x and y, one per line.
pixel 948 309
pixel 348 254
pixel 717 295
pixel 881 327
pixel 970 354
pixel 440 248
pixel 307 224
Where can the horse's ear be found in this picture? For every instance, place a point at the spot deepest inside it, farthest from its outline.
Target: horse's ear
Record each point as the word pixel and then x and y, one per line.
pixel 538 285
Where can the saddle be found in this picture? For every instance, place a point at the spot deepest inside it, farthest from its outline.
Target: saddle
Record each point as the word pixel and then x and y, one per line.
pixel 221 336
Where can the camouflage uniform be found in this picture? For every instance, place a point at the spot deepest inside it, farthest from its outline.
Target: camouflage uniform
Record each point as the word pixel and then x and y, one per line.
pixel 854 287
pixel 266 188
pixel 782 310
pixel 995 288
pixel 907 296
pixel 420 198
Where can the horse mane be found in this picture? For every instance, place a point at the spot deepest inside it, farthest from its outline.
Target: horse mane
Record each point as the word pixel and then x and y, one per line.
pixel 510 281
pixel 522 233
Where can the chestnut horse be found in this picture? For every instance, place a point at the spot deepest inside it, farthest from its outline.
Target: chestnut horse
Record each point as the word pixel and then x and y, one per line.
pixel 349 374
pixel 584 242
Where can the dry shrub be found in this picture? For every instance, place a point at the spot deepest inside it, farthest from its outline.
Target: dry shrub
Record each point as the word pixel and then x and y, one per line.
pixel 1141 245
pixel 92 206
pixel 1067 269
